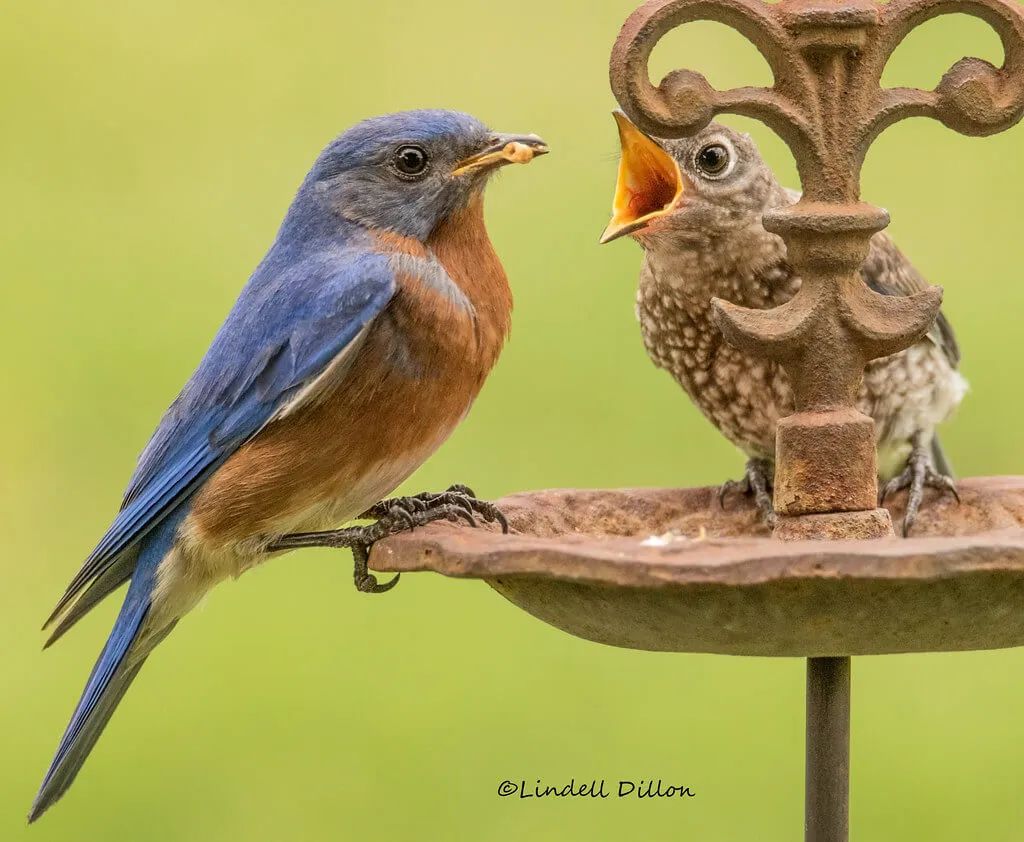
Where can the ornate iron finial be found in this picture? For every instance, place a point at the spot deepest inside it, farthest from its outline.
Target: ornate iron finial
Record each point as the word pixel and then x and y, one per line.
pixel 827 104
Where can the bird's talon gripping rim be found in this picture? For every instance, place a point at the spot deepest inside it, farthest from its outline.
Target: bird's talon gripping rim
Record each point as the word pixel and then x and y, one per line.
pixel 757 481
pixel 901 480
pixel 462 503
pixel 364 580
pixel 463 497
pixel 369 584
pixel 918 475
pixel 399 514
pixel 740 486
pixel 493 515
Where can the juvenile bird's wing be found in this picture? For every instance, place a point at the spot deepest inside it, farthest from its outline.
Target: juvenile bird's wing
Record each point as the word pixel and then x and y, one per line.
pixel 888 272
pixel 289 324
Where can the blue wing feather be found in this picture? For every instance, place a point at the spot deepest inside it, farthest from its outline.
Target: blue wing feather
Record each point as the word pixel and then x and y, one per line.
pixel 287 326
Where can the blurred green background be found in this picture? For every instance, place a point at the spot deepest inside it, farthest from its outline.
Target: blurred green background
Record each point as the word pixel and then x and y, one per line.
pixel 147 155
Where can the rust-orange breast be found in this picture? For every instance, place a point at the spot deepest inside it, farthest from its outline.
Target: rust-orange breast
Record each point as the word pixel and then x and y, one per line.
pixel 410 382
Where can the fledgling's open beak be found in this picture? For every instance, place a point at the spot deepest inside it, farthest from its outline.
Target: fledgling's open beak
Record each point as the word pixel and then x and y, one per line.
pixel 649 185
pixel 504 149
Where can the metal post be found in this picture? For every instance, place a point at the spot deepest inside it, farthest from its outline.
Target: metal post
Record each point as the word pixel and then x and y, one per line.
pixel 827 783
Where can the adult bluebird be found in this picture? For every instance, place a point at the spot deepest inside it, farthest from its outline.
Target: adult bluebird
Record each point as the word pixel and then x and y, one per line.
pixel 356 347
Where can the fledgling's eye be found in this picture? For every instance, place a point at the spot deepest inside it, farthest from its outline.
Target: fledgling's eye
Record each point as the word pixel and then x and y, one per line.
pixel 713 160
pixel 410 160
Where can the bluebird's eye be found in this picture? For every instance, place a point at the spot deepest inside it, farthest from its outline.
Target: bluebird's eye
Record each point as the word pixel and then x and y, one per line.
pixel 713 159
pixel 410 160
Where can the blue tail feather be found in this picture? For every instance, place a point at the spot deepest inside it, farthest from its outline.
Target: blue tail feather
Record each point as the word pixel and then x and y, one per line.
pixel 113 672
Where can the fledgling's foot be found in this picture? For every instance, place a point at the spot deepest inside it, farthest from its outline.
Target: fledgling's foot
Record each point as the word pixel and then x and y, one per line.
pixel 918 474
pixel 757 480
pixel 391 520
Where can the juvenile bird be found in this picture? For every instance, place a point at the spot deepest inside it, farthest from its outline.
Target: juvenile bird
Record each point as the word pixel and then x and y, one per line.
pixel 695 207
pixel 356 347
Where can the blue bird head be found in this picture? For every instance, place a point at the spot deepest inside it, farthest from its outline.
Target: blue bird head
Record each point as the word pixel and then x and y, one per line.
pixel 407 172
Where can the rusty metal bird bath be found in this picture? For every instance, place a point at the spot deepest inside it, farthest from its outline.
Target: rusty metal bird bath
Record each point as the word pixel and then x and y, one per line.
pixel 669 569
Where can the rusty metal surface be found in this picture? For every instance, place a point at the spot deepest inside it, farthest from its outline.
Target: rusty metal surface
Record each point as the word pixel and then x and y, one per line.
pixel 827 103
pixel 835 526
pixel 713 581
pixel 806 483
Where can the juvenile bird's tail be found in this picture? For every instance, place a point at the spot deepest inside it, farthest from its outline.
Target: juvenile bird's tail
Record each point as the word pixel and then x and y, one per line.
pixel 118 664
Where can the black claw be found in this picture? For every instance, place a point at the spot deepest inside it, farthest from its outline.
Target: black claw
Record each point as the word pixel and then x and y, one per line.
pixel 460 501
pixel 488 511
pixel 364 580
pixel 466 514
pixel 369 584
pixel 491 514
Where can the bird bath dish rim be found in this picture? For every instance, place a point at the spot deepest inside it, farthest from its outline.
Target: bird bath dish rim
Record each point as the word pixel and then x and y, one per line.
pixel 671 570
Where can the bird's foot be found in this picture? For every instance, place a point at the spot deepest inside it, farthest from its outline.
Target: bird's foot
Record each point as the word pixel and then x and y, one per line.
pixel 390 518
pixel 918 474
pixel 757 480
pixel 455 495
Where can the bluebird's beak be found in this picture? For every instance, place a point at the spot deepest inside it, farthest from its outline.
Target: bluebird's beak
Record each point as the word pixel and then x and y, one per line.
pixel 503 149
pixel 649 185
